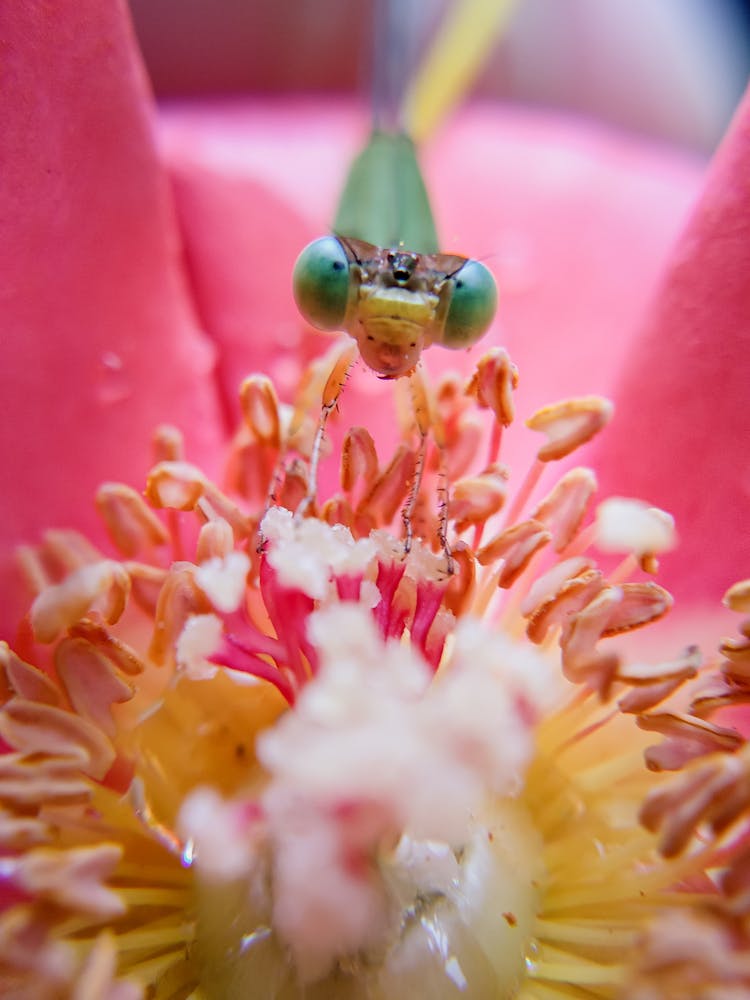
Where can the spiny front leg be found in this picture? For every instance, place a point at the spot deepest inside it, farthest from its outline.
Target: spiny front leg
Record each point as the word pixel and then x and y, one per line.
pixel 407 511
pixel 443 495
pixel 331 393
pixel 427 422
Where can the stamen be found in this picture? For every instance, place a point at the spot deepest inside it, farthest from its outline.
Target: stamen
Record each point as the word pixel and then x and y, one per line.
pixel 623 571
pixel 72 878
pixel 359 460
pixel 524 492
pixel 653 684
pixel 716 790
pixel 687 737
pixel 104 585
pixel 569 424
pixel 91 681
pixel 34 728
pixel 68 550
pixel 572 596
pixel 176 485
pixel 475 499
pixel 390 488
pixel 132 525
pixel 515 546
pixel 624 525
pixel 565 507
pixel 154 936
pixel 215 540
pixel 26 680
pixel 119 653
pixel 389 576
pixel 429 600
pixel 260 410
pixel 337 510
pixel 179 598
pixel 738 597
pixel 493 384
pixel 168 444
pixel 28 784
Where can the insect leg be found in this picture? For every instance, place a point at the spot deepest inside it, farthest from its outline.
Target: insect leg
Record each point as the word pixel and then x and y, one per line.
pixel 274 487
pixel 443 511
pixel 407 511
pixel 427 421
pixel 331 393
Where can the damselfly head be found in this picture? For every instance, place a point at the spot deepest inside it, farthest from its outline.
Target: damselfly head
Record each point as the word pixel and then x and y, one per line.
pixel 393 302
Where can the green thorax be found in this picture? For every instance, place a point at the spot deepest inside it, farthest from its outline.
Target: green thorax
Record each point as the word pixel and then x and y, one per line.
pixel 384 200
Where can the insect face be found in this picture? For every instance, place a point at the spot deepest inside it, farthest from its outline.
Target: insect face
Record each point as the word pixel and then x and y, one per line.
pixel 393 302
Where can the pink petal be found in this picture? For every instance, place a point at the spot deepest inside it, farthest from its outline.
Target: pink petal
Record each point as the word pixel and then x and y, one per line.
pixel 99 343
pixel 681 434
pixel 241 242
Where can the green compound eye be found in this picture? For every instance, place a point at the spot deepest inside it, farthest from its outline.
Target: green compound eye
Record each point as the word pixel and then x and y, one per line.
pixel 472 306
pixel 321 283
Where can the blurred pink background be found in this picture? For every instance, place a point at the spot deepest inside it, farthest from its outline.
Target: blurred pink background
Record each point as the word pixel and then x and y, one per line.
pixel 671 68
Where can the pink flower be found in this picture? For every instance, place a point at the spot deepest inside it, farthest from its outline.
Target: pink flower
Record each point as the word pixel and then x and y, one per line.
pixel 383 770
pixel 120 312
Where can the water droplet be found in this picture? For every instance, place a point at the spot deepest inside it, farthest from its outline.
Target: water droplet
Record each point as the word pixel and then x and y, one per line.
pixel 455 973
pixel 188 853
pixel 248 940
pixel 112 384
pixel 112 361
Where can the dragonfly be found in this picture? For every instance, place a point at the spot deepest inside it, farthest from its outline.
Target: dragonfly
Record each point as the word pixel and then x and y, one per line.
pixel 380 275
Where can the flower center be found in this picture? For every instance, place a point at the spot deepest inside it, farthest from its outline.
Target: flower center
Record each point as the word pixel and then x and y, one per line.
pixel 458 921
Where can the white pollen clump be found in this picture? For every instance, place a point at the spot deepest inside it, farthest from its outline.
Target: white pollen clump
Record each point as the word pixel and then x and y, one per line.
pixel 223 580
pixel 369 595
pixel 200 637
pixel 487 701
pixel 306 553
pixel 526 674
pixel 626 525
pixel 219 834
pixel 421 563
pixel 375 750
pixel 424 564
pixel 277 525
